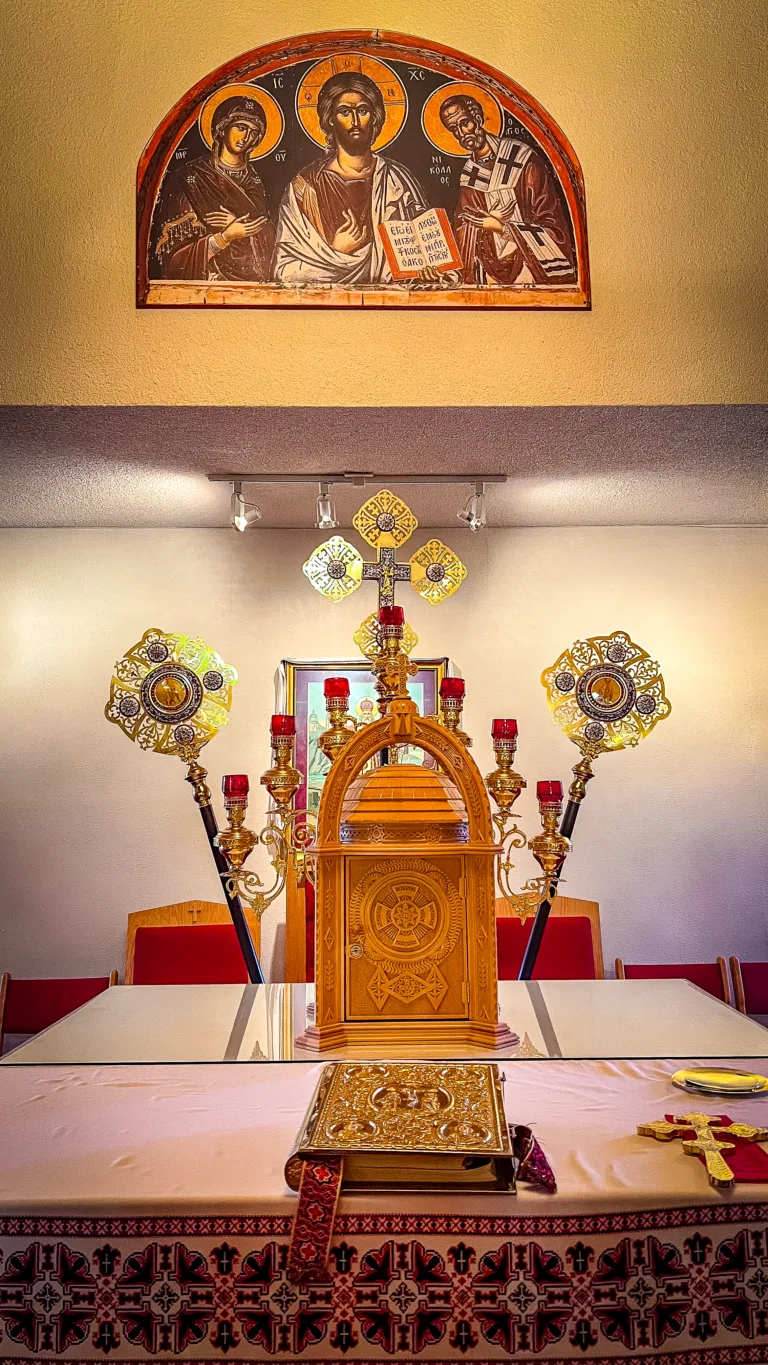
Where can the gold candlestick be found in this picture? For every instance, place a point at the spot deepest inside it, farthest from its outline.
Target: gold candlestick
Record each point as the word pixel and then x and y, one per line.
pixel 282 780
pixel 451 707
pixel 391 668
pixel 504 784
pixel 236 842
pixel 550 848
pixel 341 727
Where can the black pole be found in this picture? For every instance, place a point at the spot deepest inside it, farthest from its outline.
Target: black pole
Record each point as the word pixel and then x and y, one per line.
pixel 252 964
pixel 542 914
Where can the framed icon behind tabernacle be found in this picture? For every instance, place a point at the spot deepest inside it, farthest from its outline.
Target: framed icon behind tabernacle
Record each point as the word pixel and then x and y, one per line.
pixel 299 692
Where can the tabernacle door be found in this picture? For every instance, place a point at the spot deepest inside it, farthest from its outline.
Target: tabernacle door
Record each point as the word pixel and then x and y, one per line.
pixel 406 936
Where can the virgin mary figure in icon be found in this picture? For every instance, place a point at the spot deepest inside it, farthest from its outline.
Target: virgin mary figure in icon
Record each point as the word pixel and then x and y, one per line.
pixel 215 221
pixel 327 228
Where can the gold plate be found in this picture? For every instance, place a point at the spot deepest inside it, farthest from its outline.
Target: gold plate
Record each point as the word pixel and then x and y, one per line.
pixel 720 1080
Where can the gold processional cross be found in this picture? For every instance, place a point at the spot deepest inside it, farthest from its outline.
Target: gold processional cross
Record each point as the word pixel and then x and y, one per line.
pixel 704 1142
pixel 385 522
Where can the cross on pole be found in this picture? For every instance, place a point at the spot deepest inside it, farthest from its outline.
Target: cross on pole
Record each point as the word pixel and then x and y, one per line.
pixel 704 1142
pixel 386 571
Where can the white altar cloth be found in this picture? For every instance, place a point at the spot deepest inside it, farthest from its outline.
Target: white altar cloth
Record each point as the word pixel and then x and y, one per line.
pixel 214 1139
pixel 144 1217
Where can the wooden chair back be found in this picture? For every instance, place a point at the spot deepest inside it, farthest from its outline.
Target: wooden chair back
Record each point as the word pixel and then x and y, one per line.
pixel 569 907
pixel 750 986
pixel 183 913
pixel 29 1006
pixel 708 976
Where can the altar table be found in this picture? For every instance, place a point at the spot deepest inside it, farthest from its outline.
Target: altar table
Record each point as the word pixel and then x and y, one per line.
pixel 144 1216
pixel 619 1019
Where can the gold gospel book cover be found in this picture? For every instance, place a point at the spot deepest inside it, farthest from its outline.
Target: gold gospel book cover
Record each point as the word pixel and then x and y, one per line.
pixel 409 1125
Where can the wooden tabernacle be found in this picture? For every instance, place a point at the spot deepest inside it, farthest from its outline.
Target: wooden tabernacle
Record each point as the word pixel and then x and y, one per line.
pixel 405 918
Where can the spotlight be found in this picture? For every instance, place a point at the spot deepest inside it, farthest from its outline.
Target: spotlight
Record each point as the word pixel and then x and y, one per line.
pixel 473 514
pixel 326 511
pixel 243 513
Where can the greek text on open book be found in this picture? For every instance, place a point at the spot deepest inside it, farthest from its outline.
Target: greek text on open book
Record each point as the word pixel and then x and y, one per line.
pixel 417 244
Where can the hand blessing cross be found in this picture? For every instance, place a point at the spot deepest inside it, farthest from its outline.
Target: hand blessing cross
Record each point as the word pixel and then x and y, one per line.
pixel 704 1142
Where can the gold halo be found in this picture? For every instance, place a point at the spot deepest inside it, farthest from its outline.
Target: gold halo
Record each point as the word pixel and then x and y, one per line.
pixel 271 109
pixel 392 90
pixel 436 130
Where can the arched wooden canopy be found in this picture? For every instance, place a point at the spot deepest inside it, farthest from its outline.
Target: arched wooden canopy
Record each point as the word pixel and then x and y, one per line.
pixel 398 727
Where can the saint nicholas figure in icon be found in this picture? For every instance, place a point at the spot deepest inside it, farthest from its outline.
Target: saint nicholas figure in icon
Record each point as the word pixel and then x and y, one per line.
pixel 511 223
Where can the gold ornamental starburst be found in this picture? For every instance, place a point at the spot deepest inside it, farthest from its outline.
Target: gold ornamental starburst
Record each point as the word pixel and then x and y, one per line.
pixel 366 637
pixel 170 693
pixel 605 693
pixel 436 572
pixel 335 568
pixel 385 520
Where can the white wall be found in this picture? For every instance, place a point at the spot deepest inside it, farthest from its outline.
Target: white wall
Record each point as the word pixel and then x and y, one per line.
pixel 670 840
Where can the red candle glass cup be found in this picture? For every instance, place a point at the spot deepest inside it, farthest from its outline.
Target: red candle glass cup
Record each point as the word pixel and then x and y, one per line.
pixel 452 689
pixel 283 727
pixel 336 689
pixel 549 793
pixel 391 616
pixel 235 786
pixel 504 729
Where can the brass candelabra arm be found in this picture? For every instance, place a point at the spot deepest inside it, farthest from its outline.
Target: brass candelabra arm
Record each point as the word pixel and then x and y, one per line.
pixel 289 837
pixel 527 900
pixel 524 902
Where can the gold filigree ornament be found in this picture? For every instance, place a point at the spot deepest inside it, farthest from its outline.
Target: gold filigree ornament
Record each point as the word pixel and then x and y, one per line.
pixel 366 637
pixel 385 521
pixel 335 568
pixel 605 693
pixel 436 572
pixel 170 693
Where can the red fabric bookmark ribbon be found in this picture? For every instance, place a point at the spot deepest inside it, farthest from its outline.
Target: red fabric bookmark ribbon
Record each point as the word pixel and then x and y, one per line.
pixel 747 1160
pixel 319 1190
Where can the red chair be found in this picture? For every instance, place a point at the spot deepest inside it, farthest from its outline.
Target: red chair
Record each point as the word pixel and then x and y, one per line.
pixel 29 1006
pixel 188 955
pixel 566 952
pixel 709 976
pixel 190 943
pixel 750 985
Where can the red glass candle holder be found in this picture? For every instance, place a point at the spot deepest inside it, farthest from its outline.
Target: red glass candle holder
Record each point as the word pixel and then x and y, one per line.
pixel 336 689
pixel 504 729
pixel 391 616
pixel 235 786
pixel 283 727
pixel 549 793
pixel 452 689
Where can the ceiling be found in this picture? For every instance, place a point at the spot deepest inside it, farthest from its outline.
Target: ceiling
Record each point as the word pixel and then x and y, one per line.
pixel 565 466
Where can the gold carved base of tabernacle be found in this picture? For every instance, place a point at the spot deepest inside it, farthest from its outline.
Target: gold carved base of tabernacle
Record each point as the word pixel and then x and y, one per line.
pixel 413 1037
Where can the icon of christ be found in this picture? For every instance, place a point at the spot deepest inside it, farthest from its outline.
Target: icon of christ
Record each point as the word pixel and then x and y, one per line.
pixel 327 231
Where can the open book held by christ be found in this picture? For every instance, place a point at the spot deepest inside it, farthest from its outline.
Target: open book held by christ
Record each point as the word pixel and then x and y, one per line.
pixel 417 244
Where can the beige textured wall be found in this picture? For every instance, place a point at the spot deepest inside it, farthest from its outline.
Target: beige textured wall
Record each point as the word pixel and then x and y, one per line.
pixel 662 99
pixel 671 838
